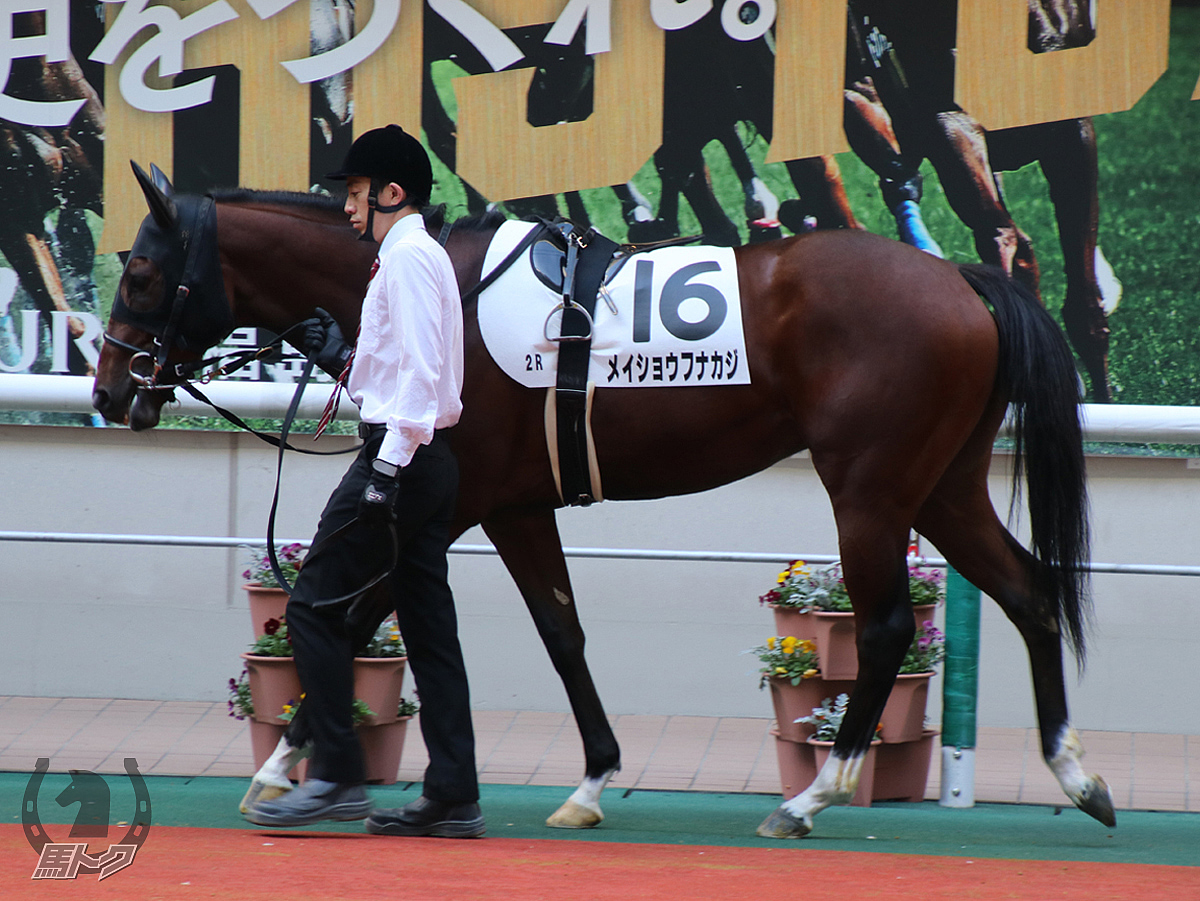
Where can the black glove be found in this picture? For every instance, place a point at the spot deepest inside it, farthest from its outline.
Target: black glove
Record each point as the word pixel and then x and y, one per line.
pixel 323 341
pixel 377 506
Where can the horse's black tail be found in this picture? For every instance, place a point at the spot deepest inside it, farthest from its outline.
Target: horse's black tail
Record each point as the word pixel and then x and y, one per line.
pixel 1037 370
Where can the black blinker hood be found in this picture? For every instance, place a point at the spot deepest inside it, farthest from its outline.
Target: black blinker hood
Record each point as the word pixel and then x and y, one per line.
pixel 194 313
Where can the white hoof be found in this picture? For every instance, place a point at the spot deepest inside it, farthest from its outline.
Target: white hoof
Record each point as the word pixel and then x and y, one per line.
pixel 575 816
pixel 262 791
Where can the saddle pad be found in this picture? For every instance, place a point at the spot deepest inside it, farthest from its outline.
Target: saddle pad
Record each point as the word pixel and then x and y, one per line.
pixel 678 319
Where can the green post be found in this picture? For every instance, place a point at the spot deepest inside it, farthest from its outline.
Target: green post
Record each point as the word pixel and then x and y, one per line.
pixel 960 692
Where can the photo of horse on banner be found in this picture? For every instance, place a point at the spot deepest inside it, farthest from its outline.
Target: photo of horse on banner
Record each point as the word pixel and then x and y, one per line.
pixel 885 362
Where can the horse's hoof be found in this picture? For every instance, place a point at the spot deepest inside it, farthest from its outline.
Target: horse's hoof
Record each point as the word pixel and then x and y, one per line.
pixel 575 816
pixel 781 824
pixel 1096 801
pixel 261 791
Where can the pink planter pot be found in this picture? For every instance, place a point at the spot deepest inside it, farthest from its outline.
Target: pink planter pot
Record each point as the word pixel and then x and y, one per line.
pixel 794 701
pixel 383 746
pixel 265 604
pixel 834 634
pixel 866 780
pixel 797 765
pixel 379 681
pixel 273 683
pixel 903 717
pixel 264 737
pixel 902 770
pixel 789 621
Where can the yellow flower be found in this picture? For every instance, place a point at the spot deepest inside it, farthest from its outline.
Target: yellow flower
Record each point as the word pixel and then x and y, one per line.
pixel 807 646
pixel 782 670
pixel 783 577
pixel 789 644
pixel 771 643
pixel 809 673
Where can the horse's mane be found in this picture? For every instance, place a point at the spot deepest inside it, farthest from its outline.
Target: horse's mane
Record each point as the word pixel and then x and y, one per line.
pixel 327 205
pixel 300 201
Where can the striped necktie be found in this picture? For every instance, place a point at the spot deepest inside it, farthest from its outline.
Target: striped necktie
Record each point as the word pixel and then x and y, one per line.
pixel 331 406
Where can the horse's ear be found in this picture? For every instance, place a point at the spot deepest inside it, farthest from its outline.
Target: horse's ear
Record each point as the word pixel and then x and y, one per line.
pixel 162 208
pixel 161 181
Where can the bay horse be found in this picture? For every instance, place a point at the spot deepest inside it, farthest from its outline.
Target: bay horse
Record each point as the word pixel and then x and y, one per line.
pixel 884 362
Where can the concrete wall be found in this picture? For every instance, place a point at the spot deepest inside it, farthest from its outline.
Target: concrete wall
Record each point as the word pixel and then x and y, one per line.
pixel 663 638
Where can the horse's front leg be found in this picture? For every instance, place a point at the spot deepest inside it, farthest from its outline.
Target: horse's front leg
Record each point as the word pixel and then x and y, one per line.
pixel 271 781
pixel 884 620
pixel 531 549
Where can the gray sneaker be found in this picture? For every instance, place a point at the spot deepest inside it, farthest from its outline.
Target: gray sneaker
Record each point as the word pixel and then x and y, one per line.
pixel 313 801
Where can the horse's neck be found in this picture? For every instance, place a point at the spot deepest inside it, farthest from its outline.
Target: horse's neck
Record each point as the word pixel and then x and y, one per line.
pixel 284 265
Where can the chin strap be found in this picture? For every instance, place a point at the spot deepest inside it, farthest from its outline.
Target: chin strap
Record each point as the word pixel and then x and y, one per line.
pixel 373 206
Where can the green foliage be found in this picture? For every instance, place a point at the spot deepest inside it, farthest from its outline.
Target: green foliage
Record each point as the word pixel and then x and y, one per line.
pixel 274 641
pixel 359 711
pixel 802 587
pixel 927 650
pixel 386 642
pixel 290 556
pixel 827 719
pixel 240 703
pixel 788 658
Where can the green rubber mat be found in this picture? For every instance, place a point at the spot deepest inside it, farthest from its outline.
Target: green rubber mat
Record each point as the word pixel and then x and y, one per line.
pixel 1027 832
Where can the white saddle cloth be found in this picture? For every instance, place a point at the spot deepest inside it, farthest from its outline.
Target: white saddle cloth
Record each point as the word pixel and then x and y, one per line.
pixel 678 319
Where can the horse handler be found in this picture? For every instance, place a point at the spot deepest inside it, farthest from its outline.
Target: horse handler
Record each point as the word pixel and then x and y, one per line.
pixel 405 374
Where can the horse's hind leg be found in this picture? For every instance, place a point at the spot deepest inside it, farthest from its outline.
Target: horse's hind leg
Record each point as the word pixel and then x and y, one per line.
pixel 960 521
pixel 873 529
pixel 531 549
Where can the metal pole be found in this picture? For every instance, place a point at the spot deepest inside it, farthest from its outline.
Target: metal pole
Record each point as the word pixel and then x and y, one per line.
pixel 960 691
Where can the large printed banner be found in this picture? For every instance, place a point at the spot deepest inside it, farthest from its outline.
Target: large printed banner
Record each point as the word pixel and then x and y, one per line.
pixel 1049 137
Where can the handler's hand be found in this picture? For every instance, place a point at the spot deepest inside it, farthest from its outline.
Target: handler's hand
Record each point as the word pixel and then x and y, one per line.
pixel 323 341
pixel 377 506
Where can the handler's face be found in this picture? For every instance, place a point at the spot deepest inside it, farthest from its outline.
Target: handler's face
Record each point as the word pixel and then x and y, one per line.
pixel 358 189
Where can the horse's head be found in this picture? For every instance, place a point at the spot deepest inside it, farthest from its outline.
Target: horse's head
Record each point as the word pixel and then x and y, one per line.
pixel 170 306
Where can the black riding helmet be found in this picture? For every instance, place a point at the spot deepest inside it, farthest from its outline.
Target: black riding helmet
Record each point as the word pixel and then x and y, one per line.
pixel 385 155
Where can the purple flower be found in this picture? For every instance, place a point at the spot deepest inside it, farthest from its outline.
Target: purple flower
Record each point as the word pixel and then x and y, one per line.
pixel 271 626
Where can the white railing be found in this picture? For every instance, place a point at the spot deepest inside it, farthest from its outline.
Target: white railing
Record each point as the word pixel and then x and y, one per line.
pixel 1126 423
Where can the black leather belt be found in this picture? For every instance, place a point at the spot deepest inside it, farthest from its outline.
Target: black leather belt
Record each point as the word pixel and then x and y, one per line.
pixel 367 430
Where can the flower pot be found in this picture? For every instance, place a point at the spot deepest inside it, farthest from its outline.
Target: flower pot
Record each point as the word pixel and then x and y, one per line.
pixel 265 604
pixel 834 634
pixel 866 777
pixel 797 765
pixel 790 621
pixel 378 682
pixel 902 770
pixel 383 745
pixel 273 683
pixel 264 738
pixel 904 714
pixel 836 649
pixel 923 614
pixel 794 701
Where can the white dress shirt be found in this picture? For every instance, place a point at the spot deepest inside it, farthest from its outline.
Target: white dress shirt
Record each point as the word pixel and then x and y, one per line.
pixel 408 365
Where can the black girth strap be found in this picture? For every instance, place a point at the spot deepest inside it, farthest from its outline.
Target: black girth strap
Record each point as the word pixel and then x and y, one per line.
pixel 581 283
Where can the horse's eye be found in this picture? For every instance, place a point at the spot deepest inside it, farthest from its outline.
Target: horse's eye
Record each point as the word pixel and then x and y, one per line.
pixel 141 285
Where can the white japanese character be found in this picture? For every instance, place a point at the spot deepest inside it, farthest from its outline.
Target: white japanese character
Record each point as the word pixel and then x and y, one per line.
pixel 370 38
pixel 165 48
pixel 54 44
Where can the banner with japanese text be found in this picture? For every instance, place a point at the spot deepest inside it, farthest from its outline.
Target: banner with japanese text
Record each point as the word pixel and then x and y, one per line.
pixel 1054 138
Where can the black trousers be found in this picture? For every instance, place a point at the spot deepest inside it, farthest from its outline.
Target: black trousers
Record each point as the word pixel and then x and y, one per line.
pixel 424 609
